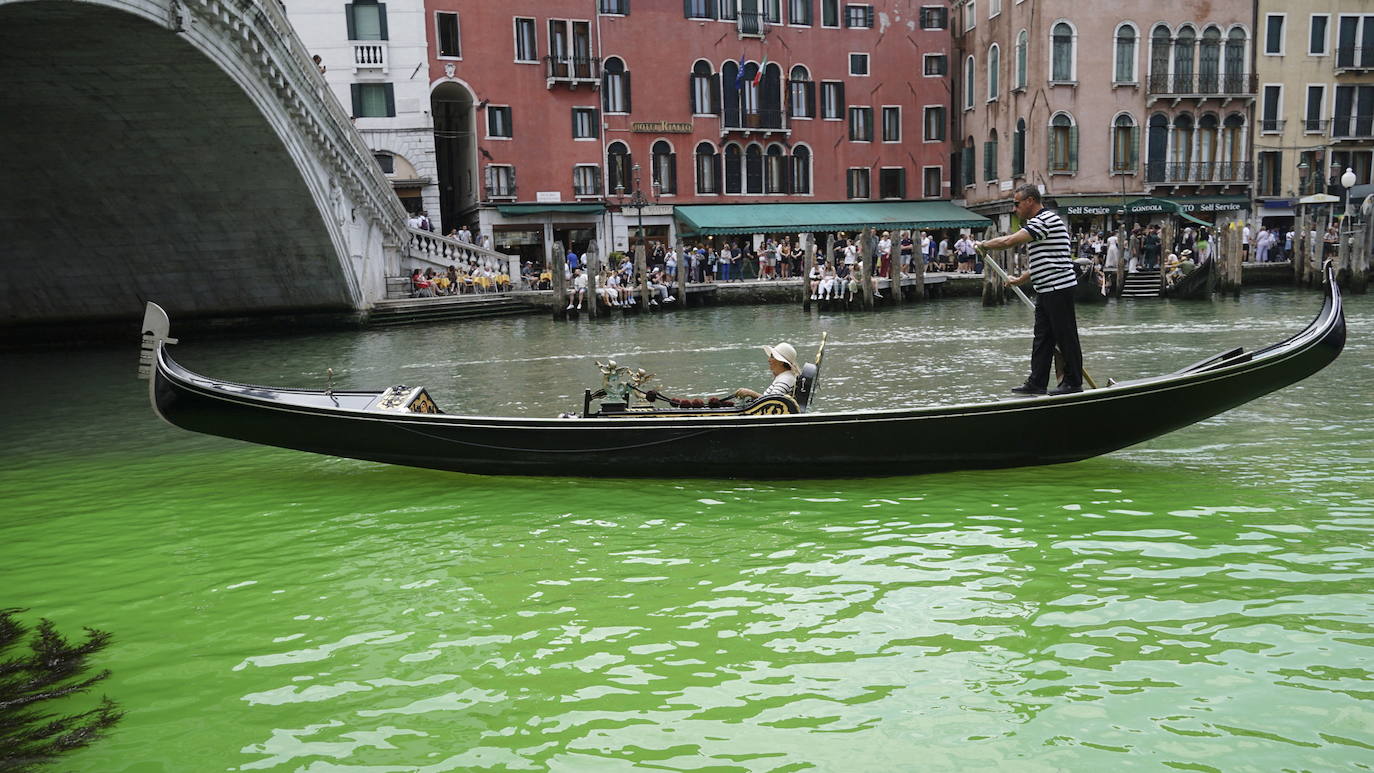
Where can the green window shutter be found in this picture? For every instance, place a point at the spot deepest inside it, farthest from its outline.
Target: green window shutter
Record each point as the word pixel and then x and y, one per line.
pixel 356 92
pixel 626 81
pixel 1135 147
pixel 1073 148
pixel 352 28
pixel 390 100
pixel 381 20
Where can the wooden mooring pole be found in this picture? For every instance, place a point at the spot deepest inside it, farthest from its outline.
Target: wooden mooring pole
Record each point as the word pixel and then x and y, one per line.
pixel 557 266
pixel 866 272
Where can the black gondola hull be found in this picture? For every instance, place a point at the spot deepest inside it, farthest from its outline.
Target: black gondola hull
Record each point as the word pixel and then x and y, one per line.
pixel 1013 433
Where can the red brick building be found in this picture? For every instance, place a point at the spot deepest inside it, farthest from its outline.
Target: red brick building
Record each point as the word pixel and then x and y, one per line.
pixel 543 109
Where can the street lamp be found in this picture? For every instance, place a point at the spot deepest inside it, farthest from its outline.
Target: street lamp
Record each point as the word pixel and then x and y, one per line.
pixel 1348 181
pixel 1303 171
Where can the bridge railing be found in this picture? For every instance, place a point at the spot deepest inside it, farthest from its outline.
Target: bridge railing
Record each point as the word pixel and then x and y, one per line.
pixel 441 251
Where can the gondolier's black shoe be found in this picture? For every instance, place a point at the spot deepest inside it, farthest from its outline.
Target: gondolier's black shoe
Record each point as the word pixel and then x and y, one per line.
pixel 1028 389
pixel 1066 389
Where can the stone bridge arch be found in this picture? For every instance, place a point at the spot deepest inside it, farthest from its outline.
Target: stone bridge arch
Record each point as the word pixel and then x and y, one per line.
pixel 187 153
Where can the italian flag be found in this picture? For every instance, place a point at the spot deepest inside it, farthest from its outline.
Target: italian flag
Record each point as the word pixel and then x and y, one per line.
pixel 758 76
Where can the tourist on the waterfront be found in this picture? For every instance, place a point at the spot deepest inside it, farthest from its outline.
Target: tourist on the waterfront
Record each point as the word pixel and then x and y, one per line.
pixel 723 263
pixel 830 282
pixel 964 249
pixel 942 259
pixel 1113 262
pixel 1262 245
pixel 884 261
pixel 785 258
pixel 579 289
pixel 814 278
pixel 1245 235
pixel 670 262
pixel 1204 246
pixel 465 235
pixel 1051 271
pixel 1288 245
pixel 658 288
pixel 1151 246
pixel 782 363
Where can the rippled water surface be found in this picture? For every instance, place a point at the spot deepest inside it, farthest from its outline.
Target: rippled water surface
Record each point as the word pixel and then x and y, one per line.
pixel 1199 602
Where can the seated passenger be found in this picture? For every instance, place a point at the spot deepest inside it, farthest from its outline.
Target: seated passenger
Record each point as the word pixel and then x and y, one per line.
pixel 782 363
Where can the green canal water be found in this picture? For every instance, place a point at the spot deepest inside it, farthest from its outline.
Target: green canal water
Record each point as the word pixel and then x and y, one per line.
pixel 1199 602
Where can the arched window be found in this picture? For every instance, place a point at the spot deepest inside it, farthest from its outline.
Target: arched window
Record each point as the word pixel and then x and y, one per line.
pixel 969 179
pixel 705 93
pixel 1209 61
pixel 1063 144
pixel 618 168
pixel 770 97
pixel 1183 61
pixel 1235 62
pixel 801 93
pixel 615 86
pixel 968 83
pixel 801 169
pixel 775 170
pixel 753 169
pixel 734 169
pixel 1233 150
pixel 1062 54
pixel 665 167
pixel 1182 147
pixel 1018 149
pixel 1160 43
pixel 1022 53
pixel 994 69
pixel 990 157
pixel 1125 55
pixel 1208 132
pixel 729 102
pixel 708 168
pixel 1158 148
pixel 1125 144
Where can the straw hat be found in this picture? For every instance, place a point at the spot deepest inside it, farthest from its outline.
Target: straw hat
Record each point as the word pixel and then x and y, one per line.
pixel 784 352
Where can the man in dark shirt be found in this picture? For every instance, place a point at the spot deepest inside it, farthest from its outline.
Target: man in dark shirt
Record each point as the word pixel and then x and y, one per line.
pixel 1051 271
pixel 1153 245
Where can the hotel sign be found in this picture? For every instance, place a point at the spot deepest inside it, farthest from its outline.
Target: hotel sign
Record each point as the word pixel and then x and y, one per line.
pixel 660 127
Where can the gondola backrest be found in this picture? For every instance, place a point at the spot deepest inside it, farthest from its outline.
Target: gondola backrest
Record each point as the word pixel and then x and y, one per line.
pixel 806 384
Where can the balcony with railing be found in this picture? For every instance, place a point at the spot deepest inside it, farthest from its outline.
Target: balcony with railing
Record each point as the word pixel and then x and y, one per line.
pixel 1192 85
pixel 1353 127
pixel 1272 125
pixel 1199 173
pixel 369 55
pixel 1315 125
pixel 755 122
pixel 751 24
pixel 1354 58
pixel 572 70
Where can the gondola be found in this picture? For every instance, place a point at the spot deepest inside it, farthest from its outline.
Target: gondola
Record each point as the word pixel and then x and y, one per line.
pixel 1197 285
pixel 403 425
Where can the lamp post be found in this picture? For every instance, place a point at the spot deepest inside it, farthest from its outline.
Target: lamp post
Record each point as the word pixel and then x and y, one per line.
pixel 1346 233
pixel 638 201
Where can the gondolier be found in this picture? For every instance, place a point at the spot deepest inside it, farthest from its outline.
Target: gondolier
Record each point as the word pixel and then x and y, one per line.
pixel 1051 273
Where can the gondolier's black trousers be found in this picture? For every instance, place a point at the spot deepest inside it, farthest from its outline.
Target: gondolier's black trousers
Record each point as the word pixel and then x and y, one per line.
pixel 1056 326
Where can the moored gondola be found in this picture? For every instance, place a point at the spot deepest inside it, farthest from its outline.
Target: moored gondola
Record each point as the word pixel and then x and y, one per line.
pixel 1197 285
pixel 403 425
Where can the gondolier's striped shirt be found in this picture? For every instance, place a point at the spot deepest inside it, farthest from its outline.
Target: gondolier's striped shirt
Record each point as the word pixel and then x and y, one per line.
pixel 1051 263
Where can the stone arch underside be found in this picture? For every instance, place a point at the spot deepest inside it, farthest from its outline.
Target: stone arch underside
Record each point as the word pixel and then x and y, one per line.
pixel 137 169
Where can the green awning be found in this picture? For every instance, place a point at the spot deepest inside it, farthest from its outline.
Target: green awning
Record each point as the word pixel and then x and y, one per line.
pixel 550 208
pixel 720 219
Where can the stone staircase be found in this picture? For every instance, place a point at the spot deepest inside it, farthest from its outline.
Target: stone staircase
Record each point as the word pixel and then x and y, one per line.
pixel 1141 284
pixel 407 311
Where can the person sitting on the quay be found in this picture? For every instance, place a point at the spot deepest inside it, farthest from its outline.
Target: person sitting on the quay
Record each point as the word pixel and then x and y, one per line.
pixel 782 363
pixel 814 278
pixel 659 285
pixel 830 282
pixel 455 279
pixel 442 284
pixel 420 284
pixel 579 289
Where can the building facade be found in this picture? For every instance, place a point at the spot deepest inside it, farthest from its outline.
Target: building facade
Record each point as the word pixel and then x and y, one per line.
pixel 373 56
pixel 549 115
pixel 1101 104
pixel 1316 71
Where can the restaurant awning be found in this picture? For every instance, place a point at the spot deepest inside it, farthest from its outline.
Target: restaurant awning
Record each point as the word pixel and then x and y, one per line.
pixel 720 219
pixel 550 208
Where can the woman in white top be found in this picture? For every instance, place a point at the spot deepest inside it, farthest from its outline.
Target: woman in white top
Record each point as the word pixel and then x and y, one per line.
pixel 782 363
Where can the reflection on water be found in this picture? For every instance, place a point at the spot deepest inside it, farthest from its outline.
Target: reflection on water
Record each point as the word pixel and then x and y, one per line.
pixel 1197 602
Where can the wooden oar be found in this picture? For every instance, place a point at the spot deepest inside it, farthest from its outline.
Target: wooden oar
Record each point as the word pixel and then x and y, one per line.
pixel 988 259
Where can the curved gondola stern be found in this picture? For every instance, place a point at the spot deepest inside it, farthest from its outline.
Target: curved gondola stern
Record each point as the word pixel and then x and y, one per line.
pixel 157 328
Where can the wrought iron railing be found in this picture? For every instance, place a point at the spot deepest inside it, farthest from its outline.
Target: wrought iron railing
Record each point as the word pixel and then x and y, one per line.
pixel 759 119
pixel 1272 125
pixel 1198 172
pixel 1355 58
pixel 1203 84
pixel 1315 125
pixel 1353 127
pixel 572 68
